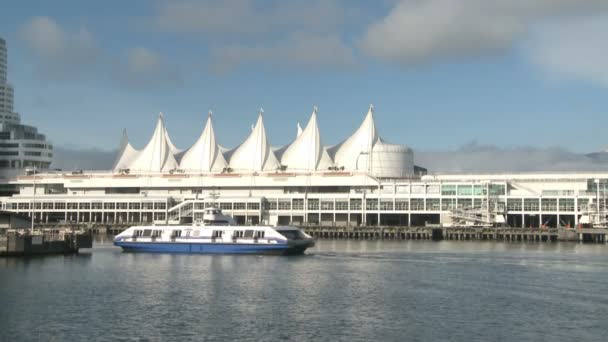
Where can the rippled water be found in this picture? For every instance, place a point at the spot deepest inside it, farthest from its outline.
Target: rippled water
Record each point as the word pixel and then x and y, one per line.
pixel 341 290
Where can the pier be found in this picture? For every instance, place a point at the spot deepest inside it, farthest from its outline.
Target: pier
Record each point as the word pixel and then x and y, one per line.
pixel 597 235
pixel 436 233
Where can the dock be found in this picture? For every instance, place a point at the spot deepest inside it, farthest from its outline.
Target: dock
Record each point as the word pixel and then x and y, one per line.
pixel 597 235
pixel 43 242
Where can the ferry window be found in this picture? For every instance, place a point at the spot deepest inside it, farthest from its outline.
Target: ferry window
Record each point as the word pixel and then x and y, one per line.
pixel 176 233
pixel 156 233
pixel 248 233
pixel 147 232
pixel 139 233
pixel 290 234
pixel 217 233
pixel 238 234
pixel 260 234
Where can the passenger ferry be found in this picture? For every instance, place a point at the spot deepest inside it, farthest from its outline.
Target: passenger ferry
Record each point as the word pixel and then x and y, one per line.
pixel 216 235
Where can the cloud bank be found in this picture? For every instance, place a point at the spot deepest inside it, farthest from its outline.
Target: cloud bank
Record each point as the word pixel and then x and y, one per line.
pixel 64 54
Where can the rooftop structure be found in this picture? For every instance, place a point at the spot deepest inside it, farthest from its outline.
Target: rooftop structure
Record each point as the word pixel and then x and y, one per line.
pixel 363 151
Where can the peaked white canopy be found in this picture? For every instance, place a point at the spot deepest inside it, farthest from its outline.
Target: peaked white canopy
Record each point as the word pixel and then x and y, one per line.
pixel 158 155
pixel 255 153
pixel 307 151
pixel 126 153
pixel 205 155
pixel 359 143
pixel 298 129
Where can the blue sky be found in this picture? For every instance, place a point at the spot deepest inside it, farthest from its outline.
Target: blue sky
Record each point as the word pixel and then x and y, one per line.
pixel 440 73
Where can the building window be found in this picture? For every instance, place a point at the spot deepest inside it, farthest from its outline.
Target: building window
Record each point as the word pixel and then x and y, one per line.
pixel 417 204
pixel 122 205
pixel 465 203
pixel 327 205
pixel 147 205
pixel 72 206
pixel 465 190
pixel 433 204
pixel 226 205
pixel 566 204
pixel 96 205
pixel 448 203
pixel 85 206
pixel 341 205
pixel 583 204
pixel 448 190
pixel 239 206
pixel 401 205
pixel 549 204
pixel 134 206
pixel 253 206
pixel 497 189
pixel 297 204
pixel 284 204
pixel 514 204
pixel 386 205
pixel 531 204
pixel 371 204
pixel 60 205
pixel 160 205
pixel 109 206
pixel 313 204
pixel 355 204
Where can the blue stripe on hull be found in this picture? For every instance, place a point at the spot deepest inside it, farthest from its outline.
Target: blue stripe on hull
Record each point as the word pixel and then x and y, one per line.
pixel 203 248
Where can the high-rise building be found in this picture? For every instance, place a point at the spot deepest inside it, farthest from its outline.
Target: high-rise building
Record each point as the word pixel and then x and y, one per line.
pixel 21 146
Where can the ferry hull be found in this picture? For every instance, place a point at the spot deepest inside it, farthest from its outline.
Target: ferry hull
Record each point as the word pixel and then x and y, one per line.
pixel 210 248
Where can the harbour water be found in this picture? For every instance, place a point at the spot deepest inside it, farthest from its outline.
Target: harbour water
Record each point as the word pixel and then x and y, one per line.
pixel 341 291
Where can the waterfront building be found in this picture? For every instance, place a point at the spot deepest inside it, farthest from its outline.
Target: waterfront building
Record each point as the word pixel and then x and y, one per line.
pixel 363 180
pixel 21 146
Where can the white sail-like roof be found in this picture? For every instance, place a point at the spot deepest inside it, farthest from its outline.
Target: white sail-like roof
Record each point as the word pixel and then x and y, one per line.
pixel 205 155
pixel 362 141
pixel 126 153
pixel 255 153
pixel 307 151
pixel 298 129
pixel 158 155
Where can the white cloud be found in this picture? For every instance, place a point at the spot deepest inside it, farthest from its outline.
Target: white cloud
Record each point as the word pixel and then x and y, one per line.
pixel 248 17
pixel 59 52
pixel 64 54
pixel 143 66
pixel 576 49
pixel 298 50
pixel 474 157
pixel 418 31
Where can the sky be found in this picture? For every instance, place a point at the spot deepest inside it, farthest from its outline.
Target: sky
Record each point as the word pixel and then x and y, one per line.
pixel 442 74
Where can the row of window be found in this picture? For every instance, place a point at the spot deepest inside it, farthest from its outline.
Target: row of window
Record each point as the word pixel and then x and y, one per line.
pixel 89 206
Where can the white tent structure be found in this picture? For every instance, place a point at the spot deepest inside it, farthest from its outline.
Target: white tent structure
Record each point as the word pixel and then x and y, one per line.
pixel 205 155
pixel 363 151
pixel 347 153
pixel 158 155
pixel 255 153
pixel 307 153
pixel 126 153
